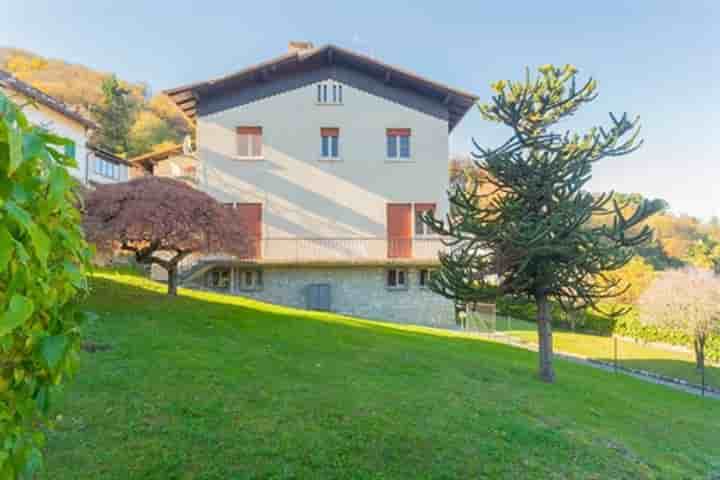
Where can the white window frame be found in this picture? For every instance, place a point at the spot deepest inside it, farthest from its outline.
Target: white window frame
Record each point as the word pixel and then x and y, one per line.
pixel 249 154
pixel 221 284
pixel 255 280
pixel 330 155
pixel 107 169
pixel 396 139
pixel 428 272
pixel 425 231
pixel 398 285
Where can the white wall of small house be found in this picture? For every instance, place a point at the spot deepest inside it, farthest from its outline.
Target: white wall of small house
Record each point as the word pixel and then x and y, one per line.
pixel 304 196
pixel 95 175
pixel 86 160
pixel 63 126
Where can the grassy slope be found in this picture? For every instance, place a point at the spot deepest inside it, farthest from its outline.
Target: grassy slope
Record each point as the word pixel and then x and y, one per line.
pixel 207 386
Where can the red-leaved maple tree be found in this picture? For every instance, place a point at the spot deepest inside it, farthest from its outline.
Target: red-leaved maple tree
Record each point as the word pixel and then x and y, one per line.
pixel 161 221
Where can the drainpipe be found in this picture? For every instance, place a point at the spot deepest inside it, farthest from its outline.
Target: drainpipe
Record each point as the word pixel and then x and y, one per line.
pixel 88 152
pixel 87 165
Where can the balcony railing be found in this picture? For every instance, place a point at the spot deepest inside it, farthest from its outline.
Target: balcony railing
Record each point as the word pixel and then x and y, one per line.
pixel 333 250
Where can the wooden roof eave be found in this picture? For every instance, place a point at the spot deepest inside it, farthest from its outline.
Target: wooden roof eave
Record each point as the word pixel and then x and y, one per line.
pixel 457 101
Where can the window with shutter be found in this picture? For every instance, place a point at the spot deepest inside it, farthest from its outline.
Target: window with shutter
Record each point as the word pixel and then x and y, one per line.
pixel 396 278
pixel 398 143
pixel 330 143
pixel 421 229
pixel 249 142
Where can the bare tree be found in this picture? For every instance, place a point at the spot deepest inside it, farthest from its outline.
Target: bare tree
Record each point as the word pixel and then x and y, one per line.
pixel 686 300
pixel 155 215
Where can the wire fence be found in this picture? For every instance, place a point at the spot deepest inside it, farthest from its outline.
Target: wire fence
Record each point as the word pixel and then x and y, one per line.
pixel 668 363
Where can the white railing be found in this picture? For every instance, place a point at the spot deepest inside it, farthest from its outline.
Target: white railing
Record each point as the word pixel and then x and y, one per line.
pixel 348 249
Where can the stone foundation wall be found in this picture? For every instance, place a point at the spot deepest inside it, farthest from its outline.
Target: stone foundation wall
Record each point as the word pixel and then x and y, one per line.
pixel 355 291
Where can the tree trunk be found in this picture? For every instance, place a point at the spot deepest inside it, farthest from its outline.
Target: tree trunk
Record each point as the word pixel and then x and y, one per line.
pixel 545 350
pixel 172 280
pixel 699 354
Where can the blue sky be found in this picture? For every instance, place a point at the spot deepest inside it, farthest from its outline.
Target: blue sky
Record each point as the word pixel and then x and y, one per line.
pixel 654 58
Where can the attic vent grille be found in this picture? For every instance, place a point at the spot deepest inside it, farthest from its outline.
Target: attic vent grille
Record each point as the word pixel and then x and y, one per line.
pixel 329 93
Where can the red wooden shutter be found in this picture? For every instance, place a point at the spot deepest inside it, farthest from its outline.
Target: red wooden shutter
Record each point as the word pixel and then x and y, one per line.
pixel 398 132
pixel 250 130
pixel 250 218
pixel 424 207
pixel 399 230
pixel 329 132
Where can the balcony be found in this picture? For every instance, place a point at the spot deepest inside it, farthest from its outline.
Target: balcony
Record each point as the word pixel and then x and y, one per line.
pixel 351 250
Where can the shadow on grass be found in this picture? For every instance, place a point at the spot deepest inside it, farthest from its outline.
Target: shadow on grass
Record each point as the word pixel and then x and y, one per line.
pixel 135 296
pixel 124 292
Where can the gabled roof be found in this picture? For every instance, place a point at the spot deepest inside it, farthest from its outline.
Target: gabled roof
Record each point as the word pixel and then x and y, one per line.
pixel 158 155
pixel 27 90
pixel 457 101
pixel 107 155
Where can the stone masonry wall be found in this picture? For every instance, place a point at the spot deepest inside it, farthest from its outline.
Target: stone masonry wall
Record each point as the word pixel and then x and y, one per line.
pixel 356 291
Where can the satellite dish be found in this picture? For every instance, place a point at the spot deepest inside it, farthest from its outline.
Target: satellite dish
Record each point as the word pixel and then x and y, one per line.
pixel 187 146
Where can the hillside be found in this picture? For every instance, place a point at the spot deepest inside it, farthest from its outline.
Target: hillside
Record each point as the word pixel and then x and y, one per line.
pixel 678 239
pixel 211 386
pixel 156 121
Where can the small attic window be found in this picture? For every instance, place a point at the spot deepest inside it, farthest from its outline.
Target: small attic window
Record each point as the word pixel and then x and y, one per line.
pixel 329 93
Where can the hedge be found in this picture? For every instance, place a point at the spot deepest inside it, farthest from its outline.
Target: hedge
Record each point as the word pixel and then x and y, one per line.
pixel 627 325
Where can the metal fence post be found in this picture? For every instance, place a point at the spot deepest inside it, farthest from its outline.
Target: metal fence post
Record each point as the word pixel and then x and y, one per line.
pixel 702 374
pixel 615 354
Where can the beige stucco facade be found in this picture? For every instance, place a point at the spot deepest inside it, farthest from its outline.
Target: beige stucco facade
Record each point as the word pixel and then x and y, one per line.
pixel 324 222
pixel 304 196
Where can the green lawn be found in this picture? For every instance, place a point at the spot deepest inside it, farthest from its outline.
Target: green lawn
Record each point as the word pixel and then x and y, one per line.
pixel 662 361
pixel 207 386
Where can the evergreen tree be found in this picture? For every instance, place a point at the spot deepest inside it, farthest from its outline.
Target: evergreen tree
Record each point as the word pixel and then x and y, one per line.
pixel 533 228
pixel 115 116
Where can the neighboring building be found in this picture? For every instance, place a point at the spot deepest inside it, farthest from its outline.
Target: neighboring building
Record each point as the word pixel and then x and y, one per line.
pixel 93 165
pixel 173 162
pixel 105 167
pixel 328 157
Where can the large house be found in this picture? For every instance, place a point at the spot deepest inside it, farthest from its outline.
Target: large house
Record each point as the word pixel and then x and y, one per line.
pixel 94 165
pixel 329 158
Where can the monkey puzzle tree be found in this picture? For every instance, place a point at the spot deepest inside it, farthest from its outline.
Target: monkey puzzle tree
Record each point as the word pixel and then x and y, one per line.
pixel 160 220
pixel 533 228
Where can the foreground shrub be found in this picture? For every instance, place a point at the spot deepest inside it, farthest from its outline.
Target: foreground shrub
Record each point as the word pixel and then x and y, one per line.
pixel 43 259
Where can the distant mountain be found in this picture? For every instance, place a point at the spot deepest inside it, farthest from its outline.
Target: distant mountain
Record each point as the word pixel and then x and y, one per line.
pixel 157 121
